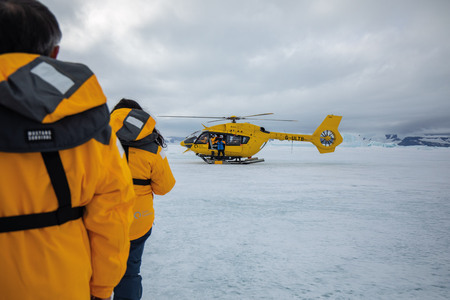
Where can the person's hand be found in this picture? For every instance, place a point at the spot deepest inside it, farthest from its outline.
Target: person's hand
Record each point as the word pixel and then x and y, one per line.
pixel 97 298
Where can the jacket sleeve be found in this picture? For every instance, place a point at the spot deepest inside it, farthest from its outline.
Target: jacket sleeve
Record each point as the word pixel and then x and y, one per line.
pixel 161 174
pixel 108 218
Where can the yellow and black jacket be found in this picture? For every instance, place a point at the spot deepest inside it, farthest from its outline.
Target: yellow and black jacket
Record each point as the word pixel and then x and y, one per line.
pixel 148 164
pixel 65 189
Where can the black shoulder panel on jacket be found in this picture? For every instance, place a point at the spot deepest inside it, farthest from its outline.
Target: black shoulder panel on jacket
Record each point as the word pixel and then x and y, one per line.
pixel 20 134
pixel 104 136
pixel 151 147
pixel 148 144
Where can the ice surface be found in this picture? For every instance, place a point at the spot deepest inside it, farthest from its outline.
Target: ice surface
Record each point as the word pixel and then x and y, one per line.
pixel 360 223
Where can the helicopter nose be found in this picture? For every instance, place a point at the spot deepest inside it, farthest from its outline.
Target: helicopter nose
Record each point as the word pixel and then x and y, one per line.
pixel 185 144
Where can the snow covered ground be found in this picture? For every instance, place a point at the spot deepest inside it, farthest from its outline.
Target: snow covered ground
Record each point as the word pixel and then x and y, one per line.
pixel 360 223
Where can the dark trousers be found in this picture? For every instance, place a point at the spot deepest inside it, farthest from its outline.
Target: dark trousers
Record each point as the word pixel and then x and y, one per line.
pixel 130 287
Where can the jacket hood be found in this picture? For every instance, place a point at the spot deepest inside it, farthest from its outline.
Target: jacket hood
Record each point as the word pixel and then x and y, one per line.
pixel 46 90
pixel 49 105
pixel 132 125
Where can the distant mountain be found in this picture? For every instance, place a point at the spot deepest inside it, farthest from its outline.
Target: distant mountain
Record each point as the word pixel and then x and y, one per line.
pixel 174 139
pixel 428 140
pixel 393 140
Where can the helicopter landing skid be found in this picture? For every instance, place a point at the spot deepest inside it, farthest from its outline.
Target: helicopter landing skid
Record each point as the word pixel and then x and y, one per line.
pixel 231 160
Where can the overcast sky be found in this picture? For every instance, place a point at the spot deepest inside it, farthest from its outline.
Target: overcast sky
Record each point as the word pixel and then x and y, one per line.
pixel 383 65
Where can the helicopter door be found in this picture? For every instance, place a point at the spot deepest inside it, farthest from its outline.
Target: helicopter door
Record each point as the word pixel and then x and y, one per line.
pixel 201 143
pixel 203 138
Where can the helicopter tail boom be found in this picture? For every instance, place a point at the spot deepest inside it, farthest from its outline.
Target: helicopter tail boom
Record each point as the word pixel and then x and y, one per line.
pixel 326 137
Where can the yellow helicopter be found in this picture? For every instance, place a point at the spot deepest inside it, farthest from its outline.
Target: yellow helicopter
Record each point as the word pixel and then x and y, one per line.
pixel 242 141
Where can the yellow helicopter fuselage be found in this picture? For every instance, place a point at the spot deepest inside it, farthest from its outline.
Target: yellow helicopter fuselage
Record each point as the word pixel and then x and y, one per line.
pixel 245 139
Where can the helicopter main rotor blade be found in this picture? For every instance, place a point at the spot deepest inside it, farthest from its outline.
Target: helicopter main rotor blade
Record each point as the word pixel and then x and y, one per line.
pixel 275 120
pixel 233 118
pixel 217 120
pixel 257 115
pixel 195 117
pixel 258 120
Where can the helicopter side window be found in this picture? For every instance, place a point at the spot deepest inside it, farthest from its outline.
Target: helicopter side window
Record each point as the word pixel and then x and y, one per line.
pixel 233 140
pixel 203 138
pixel 245 139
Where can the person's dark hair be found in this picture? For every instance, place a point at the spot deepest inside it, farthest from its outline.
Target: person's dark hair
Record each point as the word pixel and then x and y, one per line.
pixel 27 26
pixel 128 103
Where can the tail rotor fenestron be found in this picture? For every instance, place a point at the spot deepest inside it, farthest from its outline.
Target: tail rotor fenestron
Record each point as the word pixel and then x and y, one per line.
pixel 327 138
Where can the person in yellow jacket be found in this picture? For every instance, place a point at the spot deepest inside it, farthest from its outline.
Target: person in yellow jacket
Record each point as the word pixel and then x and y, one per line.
pixel 151 175
pixel 66 193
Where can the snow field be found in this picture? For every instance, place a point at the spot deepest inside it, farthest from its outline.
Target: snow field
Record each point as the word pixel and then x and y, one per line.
pixel 360 223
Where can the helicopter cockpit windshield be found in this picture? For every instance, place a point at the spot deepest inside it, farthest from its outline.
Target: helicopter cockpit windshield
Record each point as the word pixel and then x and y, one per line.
pixel 190 139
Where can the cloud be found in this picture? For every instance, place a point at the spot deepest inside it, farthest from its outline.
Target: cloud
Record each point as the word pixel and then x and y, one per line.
pixel 382 65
